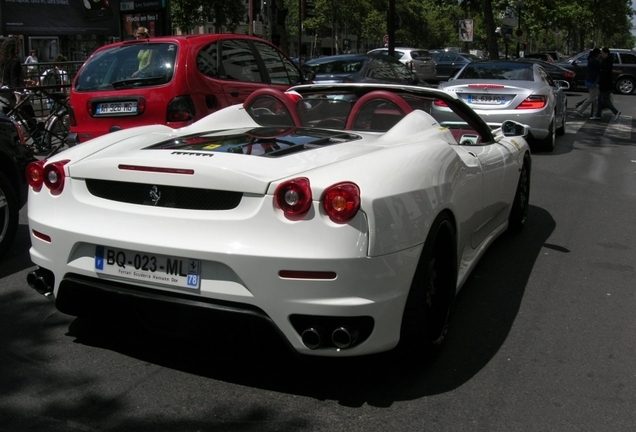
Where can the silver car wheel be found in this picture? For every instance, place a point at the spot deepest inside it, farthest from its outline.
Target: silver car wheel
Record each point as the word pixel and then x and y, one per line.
pixel 626 85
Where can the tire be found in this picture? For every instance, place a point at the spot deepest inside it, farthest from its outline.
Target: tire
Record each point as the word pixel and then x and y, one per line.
pixel 57 130
pixel 561 129
pixel 9 214
pixel 520 204
pixel 625 85
pixel 547 144
pixel 430 300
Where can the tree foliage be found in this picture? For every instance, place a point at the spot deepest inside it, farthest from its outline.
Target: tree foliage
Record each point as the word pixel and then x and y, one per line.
pixel 187 15
pixel 568 26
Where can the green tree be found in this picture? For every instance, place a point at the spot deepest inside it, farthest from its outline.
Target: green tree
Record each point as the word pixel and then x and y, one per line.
pixel 187 15
pixel 546 24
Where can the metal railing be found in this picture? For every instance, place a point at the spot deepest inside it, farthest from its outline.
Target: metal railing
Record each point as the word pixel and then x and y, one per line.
pixel 35 71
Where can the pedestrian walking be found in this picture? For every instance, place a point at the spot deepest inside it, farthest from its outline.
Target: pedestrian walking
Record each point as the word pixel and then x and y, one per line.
pixel 591 81
pixel 55 79
pixel 606 86
pixel 32 58
pixel 30 61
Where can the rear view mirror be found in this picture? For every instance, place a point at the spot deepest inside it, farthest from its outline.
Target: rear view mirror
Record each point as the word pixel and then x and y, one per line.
pixel 512 128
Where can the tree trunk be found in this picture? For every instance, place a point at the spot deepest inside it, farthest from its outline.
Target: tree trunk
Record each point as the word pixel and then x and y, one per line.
pixel 489 21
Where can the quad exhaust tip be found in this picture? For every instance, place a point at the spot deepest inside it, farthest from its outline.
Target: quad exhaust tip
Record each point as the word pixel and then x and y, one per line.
pixel 41 280
pixel 312 338
pixel 342 337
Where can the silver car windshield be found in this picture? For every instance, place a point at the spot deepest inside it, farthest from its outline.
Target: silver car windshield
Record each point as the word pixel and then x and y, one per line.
pixel 497 71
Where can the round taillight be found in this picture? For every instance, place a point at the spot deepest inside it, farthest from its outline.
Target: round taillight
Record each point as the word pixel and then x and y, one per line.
pixel 293 197
pixel 35 175
pixel 54 176
pixel 342 201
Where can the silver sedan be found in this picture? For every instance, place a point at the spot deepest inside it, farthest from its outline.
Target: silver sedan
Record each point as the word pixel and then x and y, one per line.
pixel 506 90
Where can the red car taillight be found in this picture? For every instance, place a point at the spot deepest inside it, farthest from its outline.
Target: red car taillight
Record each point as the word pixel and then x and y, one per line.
pixel 51 175
pixel 341 201
pixel 35 174
pixel 180 109
pixel 533 102
pixel 440 103
pixel 569 75
pixel 293 197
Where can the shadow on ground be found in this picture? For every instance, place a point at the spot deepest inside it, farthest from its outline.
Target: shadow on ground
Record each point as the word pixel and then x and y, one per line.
pixel 246 354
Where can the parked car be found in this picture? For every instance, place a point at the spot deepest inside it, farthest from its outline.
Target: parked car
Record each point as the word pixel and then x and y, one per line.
pixel 556 71
pixel 361 68
pixel 420 61
pixel 556 55
pixel 191 76
pixel 347 241
pixel 624 60
pixel 548 56
pixel 448 63
pixel 14 158
pixel 501 89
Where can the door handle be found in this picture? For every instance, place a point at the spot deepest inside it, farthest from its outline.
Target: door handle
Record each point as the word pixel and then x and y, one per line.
pixel 234 93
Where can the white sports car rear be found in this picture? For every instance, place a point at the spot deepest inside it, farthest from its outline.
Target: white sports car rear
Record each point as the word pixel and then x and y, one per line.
pixel 345 215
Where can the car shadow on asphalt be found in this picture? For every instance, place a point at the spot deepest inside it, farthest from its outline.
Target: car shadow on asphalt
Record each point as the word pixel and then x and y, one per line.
pixel 251 355
pixel 17 257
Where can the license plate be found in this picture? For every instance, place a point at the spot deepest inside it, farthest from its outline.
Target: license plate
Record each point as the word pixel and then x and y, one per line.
pixel 148 267
pixel 107 108
pixel 487 99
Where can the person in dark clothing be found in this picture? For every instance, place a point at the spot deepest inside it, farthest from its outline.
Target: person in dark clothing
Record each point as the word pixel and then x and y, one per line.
pixel 13 78
pixel 606 86
pixel 591 81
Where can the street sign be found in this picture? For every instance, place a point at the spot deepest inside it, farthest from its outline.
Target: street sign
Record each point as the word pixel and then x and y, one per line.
pixel 258 27
pixel 466 30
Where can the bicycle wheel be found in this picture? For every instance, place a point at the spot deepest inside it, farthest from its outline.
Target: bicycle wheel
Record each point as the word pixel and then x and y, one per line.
pixel 56 131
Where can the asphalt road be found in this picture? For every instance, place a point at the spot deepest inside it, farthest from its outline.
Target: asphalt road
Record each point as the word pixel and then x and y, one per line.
pixel 542 338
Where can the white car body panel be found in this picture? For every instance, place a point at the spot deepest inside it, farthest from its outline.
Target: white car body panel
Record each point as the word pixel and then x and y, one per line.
pixel 242 250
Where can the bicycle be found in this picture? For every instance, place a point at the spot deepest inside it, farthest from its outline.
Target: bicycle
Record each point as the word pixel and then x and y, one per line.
pixel 57 124
pixel 45 137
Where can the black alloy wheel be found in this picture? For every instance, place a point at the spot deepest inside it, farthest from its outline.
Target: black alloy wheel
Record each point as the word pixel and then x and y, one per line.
pixel 519 209
pixel 430 300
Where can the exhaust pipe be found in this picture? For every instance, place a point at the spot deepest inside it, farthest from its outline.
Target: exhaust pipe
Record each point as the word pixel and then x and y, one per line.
pixel 312 338
pixel 41 280
pixel 343 337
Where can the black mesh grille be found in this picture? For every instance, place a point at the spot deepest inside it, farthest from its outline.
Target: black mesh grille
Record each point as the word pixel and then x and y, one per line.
pixel 164 196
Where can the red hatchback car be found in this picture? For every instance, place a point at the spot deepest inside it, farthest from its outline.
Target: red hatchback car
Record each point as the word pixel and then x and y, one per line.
pixel 189 77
